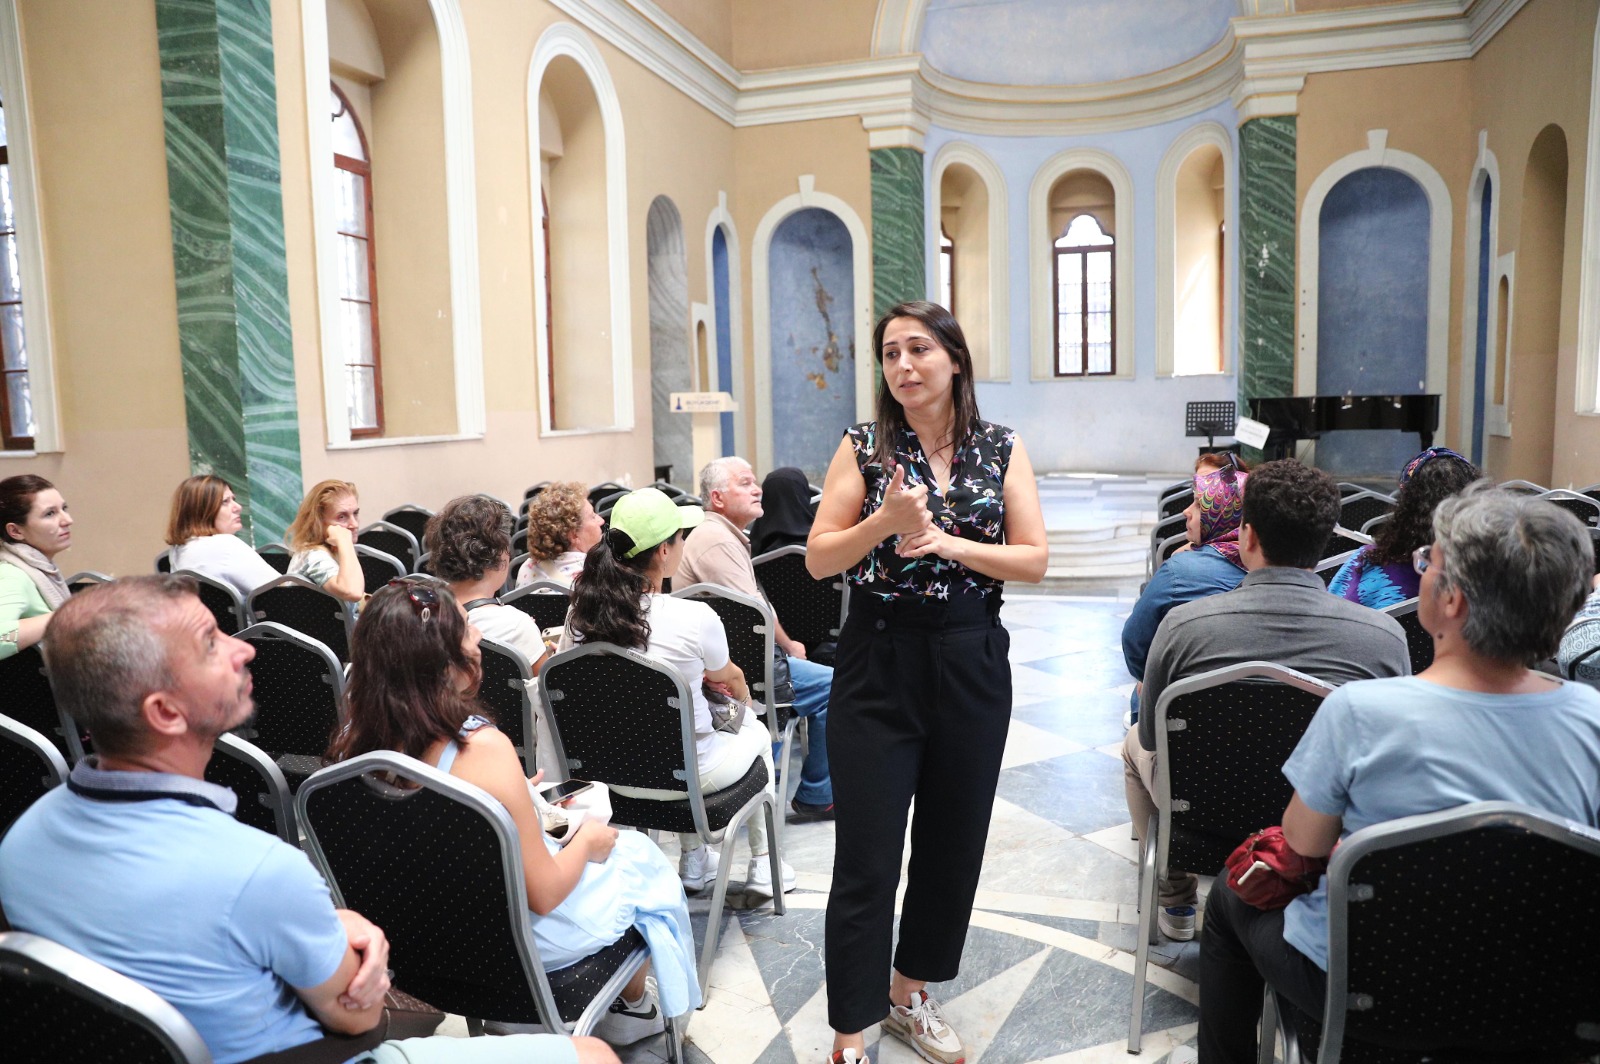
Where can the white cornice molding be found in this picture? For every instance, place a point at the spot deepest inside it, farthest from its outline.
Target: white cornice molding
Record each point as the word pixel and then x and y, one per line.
pixel 1260 64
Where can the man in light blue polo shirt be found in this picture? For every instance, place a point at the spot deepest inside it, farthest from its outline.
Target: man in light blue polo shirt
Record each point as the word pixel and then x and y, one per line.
pixel 1499 584
pixel 139 864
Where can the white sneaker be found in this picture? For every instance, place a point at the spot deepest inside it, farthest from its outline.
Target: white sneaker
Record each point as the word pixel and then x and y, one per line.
pixel 923 1028
pixel 848 1056
pixel 698 868
pixel 1176 922
pixel 758 878
pixel 628 1022
pixel 1183 1055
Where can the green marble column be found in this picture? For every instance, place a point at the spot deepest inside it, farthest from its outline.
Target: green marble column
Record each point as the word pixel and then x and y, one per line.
pixel 1266 259
pixel 219 105
pixel 898 266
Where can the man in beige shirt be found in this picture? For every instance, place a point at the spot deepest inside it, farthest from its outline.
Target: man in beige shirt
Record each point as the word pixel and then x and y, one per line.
pixel 718 552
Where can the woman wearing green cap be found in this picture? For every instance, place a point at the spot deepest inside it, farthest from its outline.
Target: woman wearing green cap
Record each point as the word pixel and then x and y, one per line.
pixel 617 599
pixel 929 509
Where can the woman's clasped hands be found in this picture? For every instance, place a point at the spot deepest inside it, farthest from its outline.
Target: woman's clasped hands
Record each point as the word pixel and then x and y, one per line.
pixel 906 512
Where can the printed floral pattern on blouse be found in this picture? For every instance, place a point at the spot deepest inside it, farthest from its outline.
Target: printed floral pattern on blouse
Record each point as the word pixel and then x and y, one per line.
pixel 975 510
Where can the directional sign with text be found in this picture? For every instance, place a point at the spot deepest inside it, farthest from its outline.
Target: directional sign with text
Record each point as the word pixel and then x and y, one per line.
pixel 702 403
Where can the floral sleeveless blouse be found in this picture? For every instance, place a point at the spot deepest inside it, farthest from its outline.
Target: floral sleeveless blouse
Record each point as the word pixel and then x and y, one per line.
pixel 975 509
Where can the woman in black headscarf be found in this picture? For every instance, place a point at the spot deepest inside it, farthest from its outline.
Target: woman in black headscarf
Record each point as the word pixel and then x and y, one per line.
pixel 786 520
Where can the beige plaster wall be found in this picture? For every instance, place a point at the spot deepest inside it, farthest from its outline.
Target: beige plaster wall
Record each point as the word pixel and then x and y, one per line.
pixel 709 20
pixel 788 33
pixel 964 211
pixel 95 95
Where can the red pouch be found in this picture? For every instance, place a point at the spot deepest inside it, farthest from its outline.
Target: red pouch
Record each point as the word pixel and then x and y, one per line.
pixel 1265 872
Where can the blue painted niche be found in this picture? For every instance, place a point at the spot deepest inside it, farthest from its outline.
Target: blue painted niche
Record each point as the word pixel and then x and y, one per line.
pixel 812 276
pixel 1372 309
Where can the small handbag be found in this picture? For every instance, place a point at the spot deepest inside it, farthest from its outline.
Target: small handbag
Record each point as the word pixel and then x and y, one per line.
pixel 727 713
pixel 1266 872
pixel 782 682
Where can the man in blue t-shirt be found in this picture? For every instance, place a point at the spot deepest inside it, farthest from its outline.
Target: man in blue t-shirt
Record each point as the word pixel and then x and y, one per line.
pixel 139 864
pixel 1499 584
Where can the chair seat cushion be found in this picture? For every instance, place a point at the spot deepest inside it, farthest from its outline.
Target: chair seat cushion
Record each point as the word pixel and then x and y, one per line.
pixel 576 985
pixel 677 816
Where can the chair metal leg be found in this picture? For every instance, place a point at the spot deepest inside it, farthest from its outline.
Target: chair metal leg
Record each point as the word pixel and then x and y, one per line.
pixel 1147 930
pixel 675 1040
pixel 775 854
pixel 1268 1038
pixel 719 897
pixel 781 785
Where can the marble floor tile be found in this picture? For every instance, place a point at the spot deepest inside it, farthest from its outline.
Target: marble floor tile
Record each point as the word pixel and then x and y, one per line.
pixel 1081 792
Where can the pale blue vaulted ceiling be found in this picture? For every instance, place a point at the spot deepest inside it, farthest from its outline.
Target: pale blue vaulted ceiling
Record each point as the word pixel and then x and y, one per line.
pixel 1068 42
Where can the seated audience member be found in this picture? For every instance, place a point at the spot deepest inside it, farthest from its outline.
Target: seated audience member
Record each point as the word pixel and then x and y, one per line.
pixel 34 528
pixel 1580 644
pixel 1207 565
pixel 562 526
pixel 618 600
pixel 1280 613
pixel 469 548
pixel 786 512
pixel 323 539
pixel 1499 583
pixel 1380 574
pixel 717 552
pixel 203 533
pixel 415 669
pixel 139 864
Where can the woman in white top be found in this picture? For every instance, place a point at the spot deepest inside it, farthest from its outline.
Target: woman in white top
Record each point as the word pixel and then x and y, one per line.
pixel 619 601
pixel 323 539
pixel 203 533
pixel 562 526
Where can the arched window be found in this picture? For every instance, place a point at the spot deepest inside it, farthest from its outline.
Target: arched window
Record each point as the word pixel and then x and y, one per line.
pixel 947 271
pixel 1085 300
pixel 549 314
pixel 16 404
pixel 358 278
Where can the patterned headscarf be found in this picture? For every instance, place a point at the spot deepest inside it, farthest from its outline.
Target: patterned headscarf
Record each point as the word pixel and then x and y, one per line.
pixel 1427 456
pixel 1220 496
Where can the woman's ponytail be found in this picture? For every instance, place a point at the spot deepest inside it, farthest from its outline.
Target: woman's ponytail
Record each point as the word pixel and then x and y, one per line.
pixel 608 596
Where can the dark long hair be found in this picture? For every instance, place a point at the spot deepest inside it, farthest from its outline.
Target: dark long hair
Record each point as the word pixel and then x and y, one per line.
pixel 608 596
pixel 16 500
pixel 1412 524
pixel 891 415
pixel 403 669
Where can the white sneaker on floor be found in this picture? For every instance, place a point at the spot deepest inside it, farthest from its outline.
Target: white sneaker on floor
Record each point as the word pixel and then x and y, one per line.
pixel 1176 922
pixel 698 868
pixel 758 878
pixel 1183 1055
pixel 626 1023
pixel 848 1056
pixel 923 1028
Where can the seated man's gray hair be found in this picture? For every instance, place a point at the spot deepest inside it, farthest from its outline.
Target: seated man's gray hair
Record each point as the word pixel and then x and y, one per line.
pixel 717 473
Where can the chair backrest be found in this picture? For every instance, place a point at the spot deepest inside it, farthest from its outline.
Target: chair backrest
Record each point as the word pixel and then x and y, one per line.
pixel 378 568
pixel 1343 539
pixel 436 863
pixel 600 491
pixel 1451 934
pixel 1172 504
pixel 1221 741
pixel 519 540
pixel 1372 526
pixel 1418 642
pixel 1328 568
pixel 1164 530
pixel 1526 487
pixel 619 717
pixel 1578 505
pixel 810 610
pixel 276 555
pixel 606 502
pixel 391 539
pixel 547 603
pixel 750 631
pixel 297 603
pixel 1359 507
pixel 164 561
pixel 62 1007
pixel 504 691
pixel 671 491
pixel 533 493
pixel 1167 548
pixel 223 600
pixel 412 518
pixel 263 793
pixel 29 766
pixel 26 697
pixel 88 578
pixel 299 693
pixel 511 573
pixel 685 499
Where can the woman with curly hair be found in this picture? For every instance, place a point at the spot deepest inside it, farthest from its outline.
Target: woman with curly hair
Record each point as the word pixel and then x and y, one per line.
pixel 1381 574
pixel 469 547
pixel 562 526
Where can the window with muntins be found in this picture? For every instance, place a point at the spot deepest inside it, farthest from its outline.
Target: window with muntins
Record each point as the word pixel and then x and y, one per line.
pixel 16 405
pixel 947 271
pixel 1085 300
pixel 358 288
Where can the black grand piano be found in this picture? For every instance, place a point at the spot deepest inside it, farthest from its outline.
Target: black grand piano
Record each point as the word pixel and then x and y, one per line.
pixel 1307 417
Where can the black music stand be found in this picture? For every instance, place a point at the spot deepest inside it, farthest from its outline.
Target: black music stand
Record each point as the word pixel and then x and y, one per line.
pixel 1211 419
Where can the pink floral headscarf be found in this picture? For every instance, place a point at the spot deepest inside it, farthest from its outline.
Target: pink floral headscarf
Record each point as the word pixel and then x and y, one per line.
pixel 1220 496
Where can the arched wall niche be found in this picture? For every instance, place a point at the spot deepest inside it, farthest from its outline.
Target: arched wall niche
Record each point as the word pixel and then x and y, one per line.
pixel 1480 318
pixel 1196 252
pixel 968 198
pixel 577 165
pixel 404 66
pixel 727 314
pixel 670 369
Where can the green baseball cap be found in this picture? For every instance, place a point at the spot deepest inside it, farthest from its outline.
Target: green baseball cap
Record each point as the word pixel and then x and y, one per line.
pixel 648 517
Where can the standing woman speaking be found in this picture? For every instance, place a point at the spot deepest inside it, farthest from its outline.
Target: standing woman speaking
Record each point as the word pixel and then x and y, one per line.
pixel 930 509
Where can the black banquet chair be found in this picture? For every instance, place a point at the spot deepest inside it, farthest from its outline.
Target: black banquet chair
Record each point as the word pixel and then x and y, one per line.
pixel 412 518
pixel 1359 507
pixel 547 603
pixel 29 766
pixel 624 719
pixel 600 491
pixel 437 864
pixel 392 540
pixel 83 581
pixel 812 610
pixel 221 599
pixel 297 603
pixel 377 568
pixel 1418 642
pixel 259 785
pixel 64 1008
pixel 299 694
pixel 504 691
pixel 276 555
pixel 1409 981
pixel 26 697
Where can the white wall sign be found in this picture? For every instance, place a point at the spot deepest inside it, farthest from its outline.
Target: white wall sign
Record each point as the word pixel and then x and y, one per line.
pixel 703 403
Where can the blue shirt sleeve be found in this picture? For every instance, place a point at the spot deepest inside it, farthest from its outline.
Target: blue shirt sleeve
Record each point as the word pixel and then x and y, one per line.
pixel 1320 767
pixel 1140 628
pixel 1350 570
pixel 284 920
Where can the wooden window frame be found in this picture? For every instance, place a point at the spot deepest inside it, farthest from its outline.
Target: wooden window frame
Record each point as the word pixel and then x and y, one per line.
pixel 1082 251
pixel 363 169
pixel 8 441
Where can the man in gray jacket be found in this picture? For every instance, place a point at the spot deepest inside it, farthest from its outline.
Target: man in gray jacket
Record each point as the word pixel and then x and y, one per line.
pixel 1281 612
